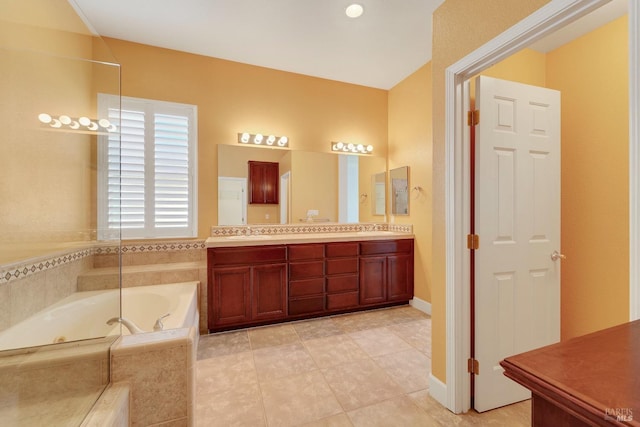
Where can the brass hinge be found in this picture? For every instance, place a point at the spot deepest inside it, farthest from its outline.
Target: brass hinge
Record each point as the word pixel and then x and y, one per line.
pixel 473 241
pixel 473 117
pixel 473 367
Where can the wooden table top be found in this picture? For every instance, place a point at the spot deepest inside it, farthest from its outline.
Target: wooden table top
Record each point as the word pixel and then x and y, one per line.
pixel 597 374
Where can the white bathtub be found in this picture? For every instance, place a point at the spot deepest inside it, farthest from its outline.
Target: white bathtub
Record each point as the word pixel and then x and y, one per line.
pixel 84 315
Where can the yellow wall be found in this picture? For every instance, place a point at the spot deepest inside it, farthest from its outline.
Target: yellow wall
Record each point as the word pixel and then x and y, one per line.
pixel 233 97
pixel 595 177
pixel 459 27
pixel 410 144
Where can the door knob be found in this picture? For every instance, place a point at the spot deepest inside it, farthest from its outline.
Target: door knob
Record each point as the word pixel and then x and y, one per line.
pixel 555 255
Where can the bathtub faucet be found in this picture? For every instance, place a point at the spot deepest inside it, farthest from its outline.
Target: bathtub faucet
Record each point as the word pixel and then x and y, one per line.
pixel 133 329
pixel 159 326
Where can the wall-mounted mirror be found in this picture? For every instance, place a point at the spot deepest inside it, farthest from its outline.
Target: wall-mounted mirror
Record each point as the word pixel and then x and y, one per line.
pixel 399 190
pixel 379 191
pixel 309 180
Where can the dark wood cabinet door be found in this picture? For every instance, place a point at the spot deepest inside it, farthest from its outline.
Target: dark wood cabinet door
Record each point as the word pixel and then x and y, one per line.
pixel 399 277
pixel 271 183
pixel 230 301
pixel 373 280
pixel 264 180
pixel 269 287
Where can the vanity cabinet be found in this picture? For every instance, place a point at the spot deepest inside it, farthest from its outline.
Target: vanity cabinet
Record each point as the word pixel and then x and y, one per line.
pixel 255 285
pixel 386 271
pixel 306 279
pixel 247 285
pixel 342 275
pixel 264 180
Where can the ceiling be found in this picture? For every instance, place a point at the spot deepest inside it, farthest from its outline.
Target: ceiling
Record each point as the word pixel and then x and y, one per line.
pixel 391 40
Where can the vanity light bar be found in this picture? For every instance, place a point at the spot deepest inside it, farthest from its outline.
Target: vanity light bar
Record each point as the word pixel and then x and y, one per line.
pixel 341 147
pixel 79 124
pixel 259 139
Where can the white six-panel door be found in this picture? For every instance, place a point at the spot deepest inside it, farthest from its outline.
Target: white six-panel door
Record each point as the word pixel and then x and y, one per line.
pixel 517 214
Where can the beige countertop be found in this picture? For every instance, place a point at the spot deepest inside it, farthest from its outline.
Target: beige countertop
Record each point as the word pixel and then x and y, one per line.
pixel 283 239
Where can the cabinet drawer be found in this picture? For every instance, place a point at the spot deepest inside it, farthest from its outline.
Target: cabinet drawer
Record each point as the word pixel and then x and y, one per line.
pixel 306 305
pixel 302 252
pixel 386 247
pixel 247 255
pixel 299 288
pixel 335 250
pixel 342 283
pixel 304 270
pixel 342 265
pixel 338 301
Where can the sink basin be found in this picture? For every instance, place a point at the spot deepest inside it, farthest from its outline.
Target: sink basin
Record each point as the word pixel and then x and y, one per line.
pixel 251 237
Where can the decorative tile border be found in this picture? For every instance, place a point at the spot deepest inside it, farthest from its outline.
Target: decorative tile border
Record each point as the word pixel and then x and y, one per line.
pixel 15 271
pixel 22 270
pixel 151 247
pixel 279 229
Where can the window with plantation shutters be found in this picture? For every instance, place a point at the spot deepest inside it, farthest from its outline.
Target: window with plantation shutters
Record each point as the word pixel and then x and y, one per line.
pixel 147 170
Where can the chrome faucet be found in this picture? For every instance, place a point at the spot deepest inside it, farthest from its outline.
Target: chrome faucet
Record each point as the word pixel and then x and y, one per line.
pixel 133 329
pixel 159 326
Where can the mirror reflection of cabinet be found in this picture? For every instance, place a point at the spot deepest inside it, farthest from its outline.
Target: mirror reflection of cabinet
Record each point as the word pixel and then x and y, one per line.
pixel 399 190
pixel 379 190
pixel 263 182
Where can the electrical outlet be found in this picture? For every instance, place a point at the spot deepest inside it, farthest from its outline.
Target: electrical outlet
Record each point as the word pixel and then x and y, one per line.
pixel 313 212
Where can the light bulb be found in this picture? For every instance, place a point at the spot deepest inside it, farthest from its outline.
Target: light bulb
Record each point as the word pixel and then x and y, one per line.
pixel 84 121
pixel 257 139
pixel 271 139
pixel 55 123
pixel 354 10
pixel 93 126
pixel 339 145
pixel 244 138
pixel 361 148
pixel 74 125
pixel 104 123
pixel 65 120
pixel 369 148
pixel 350 146
pixel 112 128
pixel 44 118
pixel 283 141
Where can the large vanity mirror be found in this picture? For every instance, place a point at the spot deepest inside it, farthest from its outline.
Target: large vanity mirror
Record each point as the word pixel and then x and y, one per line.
pixel 399 178
pixel 313 187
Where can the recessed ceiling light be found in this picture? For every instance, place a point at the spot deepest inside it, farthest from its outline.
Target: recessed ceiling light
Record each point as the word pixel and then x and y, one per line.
pixel 354 10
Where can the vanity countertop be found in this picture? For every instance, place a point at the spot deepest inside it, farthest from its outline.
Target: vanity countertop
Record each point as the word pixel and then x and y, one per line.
pixel 293 238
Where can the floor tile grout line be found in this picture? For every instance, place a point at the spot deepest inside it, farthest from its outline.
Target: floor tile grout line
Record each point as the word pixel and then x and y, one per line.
pixel 264 408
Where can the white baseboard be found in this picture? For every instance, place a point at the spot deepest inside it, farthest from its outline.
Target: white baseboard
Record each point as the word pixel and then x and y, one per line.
pixel 438 390
pixel 421 305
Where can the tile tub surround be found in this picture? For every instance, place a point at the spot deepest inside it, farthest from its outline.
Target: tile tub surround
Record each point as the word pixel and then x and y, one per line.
pixel 32 286
pixel 160 370
pixel 52 385
pixel 112 409
pixel 361 369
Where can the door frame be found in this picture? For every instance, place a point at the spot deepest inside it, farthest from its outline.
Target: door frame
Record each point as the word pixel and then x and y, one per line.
pixel 455 395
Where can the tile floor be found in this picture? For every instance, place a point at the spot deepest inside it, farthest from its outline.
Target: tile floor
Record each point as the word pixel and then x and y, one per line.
pixel 365 369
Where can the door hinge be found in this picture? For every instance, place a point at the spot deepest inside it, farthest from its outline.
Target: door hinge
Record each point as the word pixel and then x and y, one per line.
pixel 473 241
pixel 473 367
pixel 473 117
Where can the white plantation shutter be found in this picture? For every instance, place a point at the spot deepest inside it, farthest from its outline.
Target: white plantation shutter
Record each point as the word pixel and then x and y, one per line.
pixel 172 186
pixel 149 169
